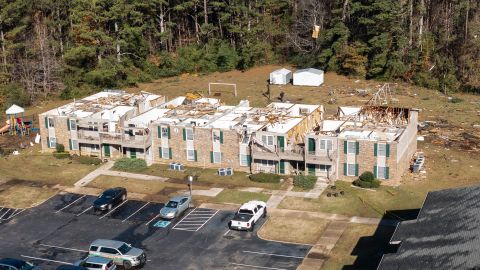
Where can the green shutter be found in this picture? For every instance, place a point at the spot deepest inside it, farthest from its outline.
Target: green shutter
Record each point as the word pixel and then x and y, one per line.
pixel 281 143
pixel 70 144
pixel 170 153
pixel 387 146
pixel 282 167
pixel 211 157
pixel 345 147
pixel 48 142
pixel 344 168
pixel 195 154
pixel 168 132
pixel 249 160
pixel 311 145
pixel 375 171
pixel 159 130
pixel 46 122
pixel 357 148
pixel 160 152
pixel 356 169
pixel 221 137
pixel 375 149
pixel 184 134
pixel 68 124
pixel 387 173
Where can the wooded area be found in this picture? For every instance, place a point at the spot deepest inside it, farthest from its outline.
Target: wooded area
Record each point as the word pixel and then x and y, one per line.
pixel 73 47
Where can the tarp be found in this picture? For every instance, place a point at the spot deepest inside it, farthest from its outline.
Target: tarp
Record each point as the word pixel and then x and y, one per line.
pixel 14 109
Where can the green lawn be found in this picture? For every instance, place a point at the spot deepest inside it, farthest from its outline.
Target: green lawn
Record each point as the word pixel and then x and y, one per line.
pixel 238 197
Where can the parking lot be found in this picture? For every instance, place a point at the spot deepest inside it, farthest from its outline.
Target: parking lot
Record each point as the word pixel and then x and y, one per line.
pixel 60 230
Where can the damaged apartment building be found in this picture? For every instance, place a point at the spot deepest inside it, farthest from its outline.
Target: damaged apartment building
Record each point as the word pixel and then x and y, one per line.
pixel 282 138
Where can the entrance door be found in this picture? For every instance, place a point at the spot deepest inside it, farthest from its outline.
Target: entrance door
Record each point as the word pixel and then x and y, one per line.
pixel 311 169
pixel 281 143
pixel 133 153
pixel 106 150
pixel 282 167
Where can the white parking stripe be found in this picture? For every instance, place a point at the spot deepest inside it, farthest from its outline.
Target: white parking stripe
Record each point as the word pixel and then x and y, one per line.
pixel 275 255
pixel 8 210
pixel 255 266
pixel 83 212
pixel 12 216
pixel 207 220
pixel 113 210
pixel 68 205
pixel 225 234
pixel 65 248
pixel 42 259
pixel 136 212
pixel 155 217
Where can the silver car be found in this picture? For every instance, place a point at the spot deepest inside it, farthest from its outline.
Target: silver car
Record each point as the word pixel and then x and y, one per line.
pixel 120 252
pixel 96 263
pixel 175 207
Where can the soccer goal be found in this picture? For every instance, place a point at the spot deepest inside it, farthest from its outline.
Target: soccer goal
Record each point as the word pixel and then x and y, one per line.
pixel 228 84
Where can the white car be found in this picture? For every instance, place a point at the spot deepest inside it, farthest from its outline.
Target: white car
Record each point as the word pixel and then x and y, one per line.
pixel 248 214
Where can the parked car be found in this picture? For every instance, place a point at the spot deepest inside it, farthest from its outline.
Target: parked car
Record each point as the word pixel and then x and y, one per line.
pixel 175 207
pixel 71 267
pixel 96 263
pixel 110 198
pixel 120 252
pixel 16 264
pixel 248 215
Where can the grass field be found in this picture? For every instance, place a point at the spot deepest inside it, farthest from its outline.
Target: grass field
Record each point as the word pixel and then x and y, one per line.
pixel 238 197
pixel 304 231
pixel 16 196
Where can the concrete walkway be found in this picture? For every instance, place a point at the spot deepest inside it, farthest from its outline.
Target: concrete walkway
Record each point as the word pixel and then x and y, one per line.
pixel 92 175
pixel 278 195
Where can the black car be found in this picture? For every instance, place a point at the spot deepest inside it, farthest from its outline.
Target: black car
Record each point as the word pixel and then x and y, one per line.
pixel 15 264
pixel 110 198
pixel 71 267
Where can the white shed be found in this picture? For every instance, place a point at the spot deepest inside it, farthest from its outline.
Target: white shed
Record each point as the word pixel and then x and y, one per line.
pixel 308 77
pixel 280 76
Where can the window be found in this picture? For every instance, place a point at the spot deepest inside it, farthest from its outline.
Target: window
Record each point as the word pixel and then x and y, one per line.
pixel 243 160
pixel 164 131
pixel 324 168
pixel 217 157
pixel 52 142
pixel 95 147
pixel 92 265
pixel 351 169
pixel 190 155
pixel 93 126
pixel 189 134
pixel 382 172
pixel 73 124
pixel 326 144
pixel 381 150
pixel 108 250
pixel 50 122
pixel 165 153
pixel 352 148
pixel 267 140
pixel 93 248
pixel 74 145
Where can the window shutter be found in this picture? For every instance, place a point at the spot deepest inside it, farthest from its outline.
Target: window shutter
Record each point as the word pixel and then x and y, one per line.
pixel 387 173
pixel 356 169
pixel 168 132
pixel 375 149
pixel 48 142
pixel 345 147
pixel 184 134
pixel 70 144
pixel 387 151
pixel 249 160
pixel 375 171
pixel 159 130
pixel 211 157
pixel 357 148
pixel 46 122
pixel 221 137
pixel 68 124
pixel 344 168
pixel 160 154
pixel 170 153
pixel 195 155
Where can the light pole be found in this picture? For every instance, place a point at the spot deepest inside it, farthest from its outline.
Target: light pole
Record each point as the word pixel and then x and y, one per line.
pixel 190 182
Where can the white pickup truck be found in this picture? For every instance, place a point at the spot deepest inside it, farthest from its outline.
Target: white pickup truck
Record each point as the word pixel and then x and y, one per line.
pixel 248 214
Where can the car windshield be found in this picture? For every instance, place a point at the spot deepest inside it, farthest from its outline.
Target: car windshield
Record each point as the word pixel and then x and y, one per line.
pixel 172 204
pixel 245 211
pixel 108 194
pixel 26 266
pixel 243 217
pixel 124 248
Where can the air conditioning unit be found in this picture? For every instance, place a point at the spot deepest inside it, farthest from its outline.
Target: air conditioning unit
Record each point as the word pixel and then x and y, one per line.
pixel 304 111
pixel 229 171
pixel 180 167
pixel 176 166
pixel 172 165
pixel 225 171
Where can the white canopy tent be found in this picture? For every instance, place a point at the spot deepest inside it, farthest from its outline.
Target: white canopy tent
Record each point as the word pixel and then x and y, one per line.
pixel 14 109
pixel 308 77
pixel 281 76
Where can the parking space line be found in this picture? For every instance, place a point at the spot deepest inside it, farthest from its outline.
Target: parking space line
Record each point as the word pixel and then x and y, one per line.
pixel 65 248
pixel 42 259
pixel 83 212
pixel 15 214
pixel 8 210
pixel 275 255
pixel 155 217
pixel 225 234
pixel 70 204
pixel 113 210
pixel 136 212
pixel 207 220
pixel 186 229
pixel 255 266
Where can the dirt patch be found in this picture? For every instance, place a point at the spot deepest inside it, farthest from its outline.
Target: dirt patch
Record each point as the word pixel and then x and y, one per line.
pixel 305 230
pixel 318 255
pixel 9 143
pixel 21 196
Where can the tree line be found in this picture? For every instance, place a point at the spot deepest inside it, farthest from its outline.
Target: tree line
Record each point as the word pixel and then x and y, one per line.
pixel 69 48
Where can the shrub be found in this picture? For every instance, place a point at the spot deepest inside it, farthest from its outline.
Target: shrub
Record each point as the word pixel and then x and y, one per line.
pixel 130 165
pixel 265 178
pixel 366 184
pixel 304 181
pixel 60 148
pixel 367 177
pixel 89 160
pixel 61 155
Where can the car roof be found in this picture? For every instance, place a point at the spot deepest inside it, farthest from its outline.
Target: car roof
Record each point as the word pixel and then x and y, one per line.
pixel 179 198
pixel 97 259
pixel 71 267
pixel 107 243
pixel 12 262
